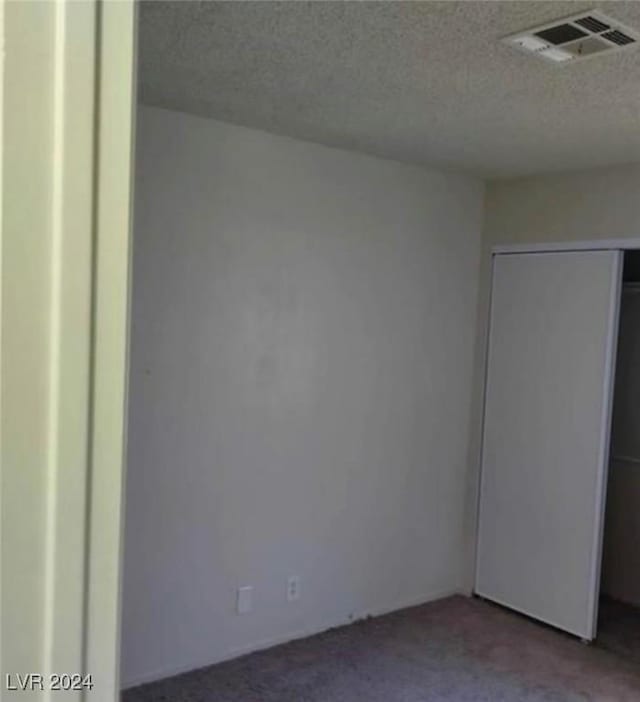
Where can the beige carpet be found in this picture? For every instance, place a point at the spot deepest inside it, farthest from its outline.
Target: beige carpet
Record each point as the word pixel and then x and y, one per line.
pixel 454 650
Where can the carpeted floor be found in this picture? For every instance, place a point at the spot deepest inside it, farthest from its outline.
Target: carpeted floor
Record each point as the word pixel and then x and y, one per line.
pixel 453 650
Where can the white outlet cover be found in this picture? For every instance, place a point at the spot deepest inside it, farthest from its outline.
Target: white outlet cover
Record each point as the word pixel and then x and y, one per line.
pixel 244 602
pixel 293 588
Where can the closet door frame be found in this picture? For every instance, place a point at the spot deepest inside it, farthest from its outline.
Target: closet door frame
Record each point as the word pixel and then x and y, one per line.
pixel 630 244
pixel 620 245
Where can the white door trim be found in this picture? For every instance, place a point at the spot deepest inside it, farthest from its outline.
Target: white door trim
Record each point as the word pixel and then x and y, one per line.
pixel 586 245
pixel 115 134
pixel 68 89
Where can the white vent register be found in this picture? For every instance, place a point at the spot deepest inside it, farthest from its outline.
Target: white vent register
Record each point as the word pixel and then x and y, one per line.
pixel 575 38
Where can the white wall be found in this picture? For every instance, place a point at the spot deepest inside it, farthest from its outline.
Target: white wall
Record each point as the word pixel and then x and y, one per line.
pixel 302 351
pixel 595 204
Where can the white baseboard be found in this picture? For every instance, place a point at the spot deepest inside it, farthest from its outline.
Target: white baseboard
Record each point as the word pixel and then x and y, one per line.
pixel 263 644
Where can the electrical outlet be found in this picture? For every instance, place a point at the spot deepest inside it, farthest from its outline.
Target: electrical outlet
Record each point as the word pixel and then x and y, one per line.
pixel 293 588
pixel 244 601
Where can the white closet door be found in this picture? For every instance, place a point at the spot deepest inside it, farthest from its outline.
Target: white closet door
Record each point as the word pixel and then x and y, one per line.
pixel 546 434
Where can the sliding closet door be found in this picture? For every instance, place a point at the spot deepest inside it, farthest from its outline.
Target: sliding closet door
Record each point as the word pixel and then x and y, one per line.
pixel 546 433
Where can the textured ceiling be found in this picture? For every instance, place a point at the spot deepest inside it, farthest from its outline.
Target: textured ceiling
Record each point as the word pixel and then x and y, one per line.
pixel 423 82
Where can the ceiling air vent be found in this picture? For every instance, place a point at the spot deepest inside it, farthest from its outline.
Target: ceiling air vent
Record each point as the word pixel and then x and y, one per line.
pixel 592 24
pixel 575 38
pixel 618 37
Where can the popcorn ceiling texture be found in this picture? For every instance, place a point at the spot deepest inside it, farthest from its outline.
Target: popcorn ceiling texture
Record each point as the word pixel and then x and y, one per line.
pixel 422 82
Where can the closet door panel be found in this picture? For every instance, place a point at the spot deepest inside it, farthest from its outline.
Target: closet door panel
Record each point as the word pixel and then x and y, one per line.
pixel 546 424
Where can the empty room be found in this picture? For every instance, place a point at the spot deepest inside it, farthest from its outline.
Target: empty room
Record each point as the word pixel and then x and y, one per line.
pixel 359 353
pixel 319 188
